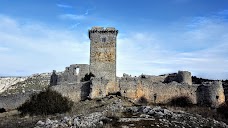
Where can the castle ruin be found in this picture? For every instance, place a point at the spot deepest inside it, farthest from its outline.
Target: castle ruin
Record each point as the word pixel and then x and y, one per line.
pixel 158 89
pixel 147 88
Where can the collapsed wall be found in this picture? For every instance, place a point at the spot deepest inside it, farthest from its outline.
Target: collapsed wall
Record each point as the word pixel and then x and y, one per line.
pixel 73 74
pixel 180 77
pixel 101 87
pixel 13 101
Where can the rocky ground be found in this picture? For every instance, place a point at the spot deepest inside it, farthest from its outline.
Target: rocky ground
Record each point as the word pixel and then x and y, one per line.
pixel 138 117
pixel 112 112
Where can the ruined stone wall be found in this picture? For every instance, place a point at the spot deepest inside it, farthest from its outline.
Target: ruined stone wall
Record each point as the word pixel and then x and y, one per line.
pixel 13 101
pixel 180 77
pixel 138 88
pixel 70 75
pixel 103 52
pixel 75 92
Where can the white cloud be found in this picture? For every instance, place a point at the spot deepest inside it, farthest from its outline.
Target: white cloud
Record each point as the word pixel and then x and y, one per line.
pixel 223 12
pixel 38 48
pixel 75 25
pixel 72 17
pixel 64 6
pixel 201 48
pixel 69 16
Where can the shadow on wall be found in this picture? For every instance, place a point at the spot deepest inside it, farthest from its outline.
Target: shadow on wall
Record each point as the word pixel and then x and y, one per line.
pixel 87 77
pixel 210 94
pixel 142 100
pixel 170 78
pixel 2 110
pixel 202 95
pixel 181 101
pixel 85 90
pixel 223 109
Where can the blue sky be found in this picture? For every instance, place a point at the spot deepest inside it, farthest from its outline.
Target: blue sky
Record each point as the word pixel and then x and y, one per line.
pixel 155 36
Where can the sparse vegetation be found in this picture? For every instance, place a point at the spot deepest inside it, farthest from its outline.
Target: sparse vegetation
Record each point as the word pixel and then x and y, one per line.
pixel 142 100
pixel 45 103
pixel 87 77
pixel 196 80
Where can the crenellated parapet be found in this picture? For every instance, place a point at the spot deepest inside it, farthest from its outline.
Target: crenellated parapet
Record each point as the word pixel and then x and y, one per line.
pixel 103 30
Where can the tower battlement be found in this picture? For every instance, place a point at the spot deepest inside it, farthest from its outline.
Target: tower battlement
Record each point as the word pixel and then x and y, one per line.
pixel 103 30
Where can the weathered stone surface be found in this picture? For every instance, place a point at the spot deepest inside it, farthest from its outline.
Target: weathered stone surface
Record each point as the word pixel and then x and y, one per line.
pixel 74 73
pixel 101 87
pixel 75 92
pixel 211 94
pixel 138 88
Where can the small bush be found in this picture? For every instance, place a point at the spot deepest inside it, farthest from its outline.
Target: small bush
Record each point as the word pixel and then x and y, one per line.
pixel 223 109
pixel 142 100
pixel 45 103
pixel 182 101
pixel 115 93
pixel 143 76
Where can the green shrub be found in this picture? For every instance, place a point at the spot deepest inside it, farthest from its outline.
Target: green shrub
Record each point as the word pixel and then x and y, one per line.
pixel 45 103
pixel 181 101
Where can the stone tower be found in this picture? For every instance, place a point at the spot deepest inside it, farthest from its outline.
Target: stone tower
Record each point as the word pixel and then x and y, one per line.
pixel 103 52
